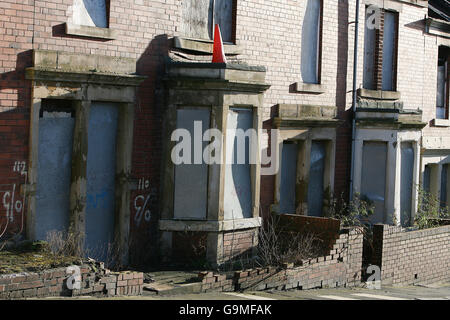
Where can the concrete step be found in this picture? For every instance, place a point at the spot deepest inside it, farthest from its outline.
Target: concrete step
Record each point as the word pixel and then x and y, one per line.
pixel 173 283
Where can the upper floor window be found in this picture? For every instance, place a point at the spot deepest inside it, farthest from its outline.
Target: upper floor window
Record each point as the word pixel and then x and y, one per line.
pixel 200 16
pixel 442 83
pixel 93 13
pixel 311 42
pixel 380 49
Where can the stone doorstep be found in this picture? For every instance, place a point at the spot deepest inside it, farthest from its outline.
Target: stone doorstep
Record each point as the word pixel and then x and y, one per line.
pixel 165 289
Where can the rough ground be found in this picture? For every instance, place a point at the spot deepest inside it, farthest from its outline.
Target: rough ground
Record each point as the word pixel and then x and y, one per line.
pixel 32 258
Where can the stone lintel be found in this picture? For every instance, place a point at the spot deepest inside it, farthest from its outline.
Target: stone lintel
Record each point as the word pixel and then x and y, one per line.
pixel 209 226
pixel 57 75
pixel 87 63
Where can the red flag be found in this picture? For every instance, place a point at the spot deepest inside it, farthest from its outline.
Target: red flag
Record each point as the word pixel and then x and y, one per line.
pixel 218 52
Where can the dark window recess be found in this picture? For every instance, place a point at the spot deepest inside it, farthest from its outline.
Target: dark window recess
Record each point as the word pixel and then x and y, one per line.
pixel 442 87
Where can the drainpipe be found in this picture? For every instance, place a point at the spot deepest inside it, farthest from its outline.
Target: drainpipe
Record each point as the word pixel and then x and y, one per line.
pixel 355 70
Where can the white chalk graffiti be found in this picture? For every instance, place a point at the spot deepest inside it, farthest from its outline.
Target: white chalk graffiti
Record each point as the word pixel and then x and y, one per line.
pixel 11 203
pixel 142 202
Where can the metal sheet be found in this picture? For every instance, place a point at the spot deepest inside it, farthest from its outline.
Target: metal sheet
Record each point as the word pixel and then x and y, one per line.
pixel 191 180
pixel 406 185
pixel 288 177
pixel 101 172
pixel 238 191
pixel 90 13
pixel 223 16
pixel 443 197
pixel 369 54
pixel 426 178
pixel 388 50
pixel 54 173
pixel 311 42
pixel 373 177
pixel 316 178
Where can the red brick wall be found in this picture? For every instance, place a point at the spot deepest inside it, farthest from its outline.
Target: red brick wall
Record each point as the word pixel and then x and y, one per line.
pixel 421 256
pixel 238 244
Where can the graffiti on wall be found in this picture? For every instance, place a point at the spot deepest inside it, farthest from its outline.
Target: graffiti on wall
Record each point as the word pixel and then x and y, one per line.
pixel 142 202
pixel 12 202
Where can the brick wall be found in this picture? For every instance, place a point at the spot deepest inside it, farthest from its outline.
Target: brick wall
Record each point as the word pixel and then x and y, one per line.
pixel 341 267
pixel 421 256
pixel 239 244
pixel 53 282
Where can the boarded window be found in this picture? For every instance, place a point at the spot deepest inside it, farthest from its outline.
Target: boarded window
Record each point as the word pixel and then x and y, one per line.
pixel 191 179
pixel 311 38
pixel 288 177
pixel 238 191
pixel 56 128
pixel 373 177
pixel 200 16
pixel 316 178
pixel 442 84
pixel 90 13
pixel 369 53
pixel 389 35
pixel 406 185
pixel 380 49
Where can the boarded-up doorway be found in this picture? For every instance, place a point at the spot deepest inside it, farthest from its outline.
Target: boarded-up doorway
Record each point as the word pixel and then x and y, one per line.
pixel 373 177
pixel 406 185
pixel 56 128
pixel 191 179
pixel 101 168
pixel 238 191
pixel 316 178
pixel 288 177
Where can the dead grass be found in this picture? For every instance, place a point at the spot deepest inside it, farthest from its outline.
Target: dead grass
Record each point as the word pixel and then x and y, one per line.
pixel 29 259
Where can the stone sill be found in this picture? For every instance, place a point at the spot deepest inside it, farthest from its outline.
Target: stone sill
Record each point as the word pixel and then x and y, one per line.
pixel 312 88
pixel 209 226
pixel 204 46
pixel 91 32
pixel 378 94
pixel 441 122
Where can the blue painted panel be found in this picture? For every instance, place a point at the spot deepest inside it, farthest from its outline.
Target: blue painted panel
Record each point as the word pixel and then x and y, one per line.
pixel 101 169
pixel 288 177
pixel 373 177
pixel 54 172
pixel 191 180
pixel 406 186
pixel 316 177
pixel 238 190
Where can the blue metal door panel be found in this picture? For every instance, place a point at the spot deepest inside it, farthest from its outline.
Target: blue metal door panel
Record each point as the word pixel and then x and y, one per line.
pixel 101 168
pixel 288 177
pixel 316 177
pixel 54 172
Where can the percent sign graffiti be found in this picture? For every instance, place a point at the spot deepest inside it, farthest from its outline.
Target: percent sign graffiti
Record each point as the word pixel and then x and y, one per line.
pixel 142 210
